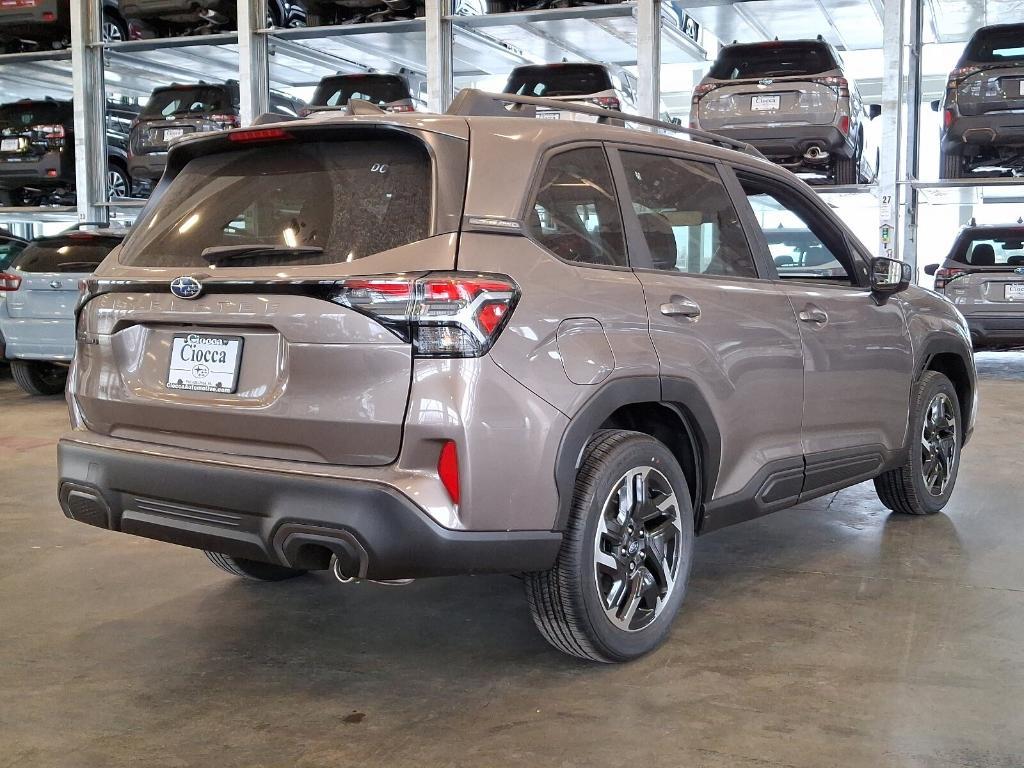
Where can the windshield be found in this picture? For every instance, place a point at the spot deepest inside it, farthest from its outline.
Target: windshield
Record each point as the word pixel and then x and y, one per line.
pixel 350 198
pixel 992 248
pixel 738 62
pixel 996 44
pixel 559 80
pixel 378 89
pixel 75 252
pixel 201 99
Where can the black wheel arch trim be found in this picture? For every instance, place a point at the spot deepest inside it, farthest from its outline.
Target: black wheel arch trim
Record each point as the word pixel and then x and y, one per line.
pixel 948 343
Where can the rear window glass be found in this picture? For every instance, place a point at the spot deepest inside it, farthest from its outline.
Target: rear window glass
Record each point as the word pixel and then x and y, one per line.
pixel 559 80
pixel 337 91
pixel 739 62
pixel 8 250
pixel 15 118
pixel 203 100
pixel 73 253
pixel 350 198
pixel 996 44
pixel 992 248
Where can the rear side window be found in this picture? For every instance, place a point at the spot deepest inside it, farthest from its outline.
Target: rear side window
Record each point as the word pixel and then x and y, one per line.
pixel 74 253
pixel 202 100
pixel 996 44
pixel 349 198
pixel 687 217
pixel 380 90
pixel 559 80
pixel 8 250
pixel 740 62
pixel 575 214
pixel 992 248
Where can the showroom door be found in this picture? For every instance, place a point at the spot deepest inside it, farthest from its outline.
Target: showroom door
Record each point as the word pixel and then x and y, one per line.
pixel 724 335
pixel 858 359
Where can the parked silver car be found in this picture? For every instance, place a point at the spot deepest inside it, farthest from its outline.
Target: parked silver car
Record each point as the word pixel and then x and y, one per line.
pixel 983 275
pixel 38 294
pixel 983 108
pixel 793 101
pixel 398 347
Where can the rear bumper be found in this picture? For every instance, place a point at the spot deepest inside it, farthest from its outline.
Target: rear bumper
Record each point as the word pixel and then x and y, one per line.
pixel 281 517
pixel 996 330
pixel 790 141
pixel 34 339
pixel 34 171
pixel 147 166
pixel 155 8
pixel 992 129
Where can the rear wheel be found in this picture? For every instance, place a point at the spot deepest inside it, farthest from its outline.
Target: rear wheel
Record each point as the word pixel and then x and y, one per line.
pixel 118 183
pixel 951 165
pixel 621 574
pixel 113 29
pixel 846 170
pixel 252 570
pixel 37 377
pixel 923 485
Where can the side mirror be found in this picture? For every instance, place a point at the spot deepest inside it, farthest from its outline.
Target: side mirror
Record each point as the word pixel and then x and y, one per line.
pixel 889 276
pixel 931 269
pixel 935 105
pixel 874 110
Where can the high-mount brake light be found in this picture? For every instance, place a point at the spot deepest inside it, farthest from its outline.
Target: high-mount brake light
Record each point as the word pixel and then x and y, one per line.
pixel 443 314
pixel 9 282
pixel 255 135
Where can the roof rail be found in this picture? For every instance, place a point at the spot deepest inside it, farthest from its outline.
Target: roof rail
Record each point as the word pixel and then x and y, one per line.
pixel 473 102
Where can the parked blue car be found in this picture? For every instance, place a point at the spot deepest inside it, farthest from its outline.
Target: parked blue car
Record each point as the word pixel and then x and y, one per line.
pixel 38 294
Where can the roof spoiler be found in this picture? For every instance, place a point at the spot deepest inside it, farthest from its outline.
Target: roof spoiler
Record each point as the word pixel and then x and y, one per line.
pixel 471 102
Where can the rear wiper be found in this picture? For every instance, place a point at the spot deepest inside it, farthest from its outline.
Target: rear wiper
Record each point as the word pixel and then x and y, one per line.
pixel 67 266
pixel 216 254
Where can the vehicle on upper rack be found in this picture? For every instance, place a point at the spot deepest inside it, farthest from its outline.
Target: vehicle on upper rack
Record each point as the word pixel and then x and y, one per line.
pixel 37 151
pixel 38 296
pixel 27 25
pixel 363 11
pixel 180 110
pixel 169 18
pixel 983 275
pixel 399 347
pixel 983 106
pixel 672 9
pixel 792 100
pixel 390 92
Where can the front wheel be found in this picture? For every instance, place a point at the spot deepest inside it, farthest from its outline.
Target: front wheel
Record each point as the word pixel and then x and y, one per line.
pixel 923 485
pixel 621 574
pixel 37 377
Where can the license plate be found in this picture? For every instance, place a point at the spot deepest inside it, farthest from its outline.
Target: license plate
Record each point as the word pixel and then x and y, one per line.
pixel 765 103
pixel 173 133
pixel 204 363
pixel 1013 292
pixel 1020 87
pixel 10 145
pixel 550 115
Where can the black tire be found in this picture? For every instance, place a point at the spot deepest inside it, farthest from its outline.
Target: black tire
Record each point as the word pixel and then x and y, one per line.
pixel 37 377
pixel 951 165
pixel 252 570
pixel 567 602
pixel 114 29
pixel 845 170
pixel 905 489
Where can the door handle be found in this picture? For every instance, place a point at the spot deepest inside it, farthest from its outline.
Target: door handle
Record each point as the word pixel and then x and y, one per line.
pixel 681 307
pixel 813 314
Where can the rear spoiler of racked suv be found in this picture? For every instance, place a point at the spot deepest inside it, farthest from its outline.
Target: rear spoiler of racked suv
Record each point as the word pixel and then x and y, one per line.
pixel 473 102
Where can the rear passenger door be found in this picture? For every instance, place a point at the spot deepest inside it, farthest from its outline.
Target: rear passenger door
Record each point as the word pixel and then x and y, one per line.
pixel 858 359
pixel 724 335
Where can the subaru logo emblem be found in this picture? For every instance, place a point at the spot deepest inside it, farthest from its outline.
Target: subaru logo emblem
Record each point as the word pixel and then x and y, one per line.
pixel 1019 270
pixel 186 287
pixel 766 81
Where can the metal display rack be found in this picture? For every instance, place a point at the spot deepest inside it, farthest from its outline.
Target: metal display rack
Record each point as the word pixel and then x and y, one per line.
pixel 444 49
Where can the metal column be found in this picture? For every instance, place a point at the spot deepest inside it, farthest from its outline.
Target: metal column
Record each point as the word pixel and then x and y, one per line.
pixel 648 57
pixel 253 60
pixel 892 134
pixel 89 111
pixel 912 101
pixel 440 86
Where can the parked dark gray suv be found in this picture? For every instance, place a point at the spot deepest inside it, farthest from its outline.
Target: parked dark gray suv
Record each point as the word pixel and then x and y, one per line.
pixel 338 343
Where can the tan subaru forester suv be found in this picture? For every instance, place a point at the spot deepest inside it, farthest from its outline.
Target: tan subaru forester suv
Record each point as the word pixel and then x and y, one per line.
pixel 400 346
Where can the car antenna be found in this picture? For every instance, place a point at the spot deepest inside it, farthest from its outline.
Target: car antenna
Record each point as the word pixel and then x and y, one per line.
pixel 1020 219
pixel 973 222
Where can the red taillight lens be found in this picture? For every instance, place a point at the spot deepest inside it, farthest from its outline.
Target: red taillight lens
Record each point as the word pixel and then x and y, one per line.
pixel 9 282
pixel 944 276
pixel 443 314
pixel 448 469
pixel 958 75
pixel 225 121
pixel 841 84
pixel 402 108
pixel 947 118
pixel 608 102
pixel 254 135
pixel 844 125
pixel 703 90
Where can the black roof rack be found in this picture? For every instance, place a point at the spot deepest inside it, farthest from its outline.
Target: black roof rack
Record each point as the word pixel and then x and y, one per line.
pixel 473 102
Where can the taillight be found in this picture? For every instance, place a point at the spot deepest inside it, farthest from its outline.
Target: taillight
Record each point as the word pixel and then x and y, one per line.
pixel 404 108
pixel 259 134
pixel 844 125
pixel 841 84
pixel 608 102
pixel 947 118
pixel 225 121
pixel 451 314
pixel 53 135
pixel 944 276
pixel 448 469
pixel 960 74
pixel 9 282
pixel 702 90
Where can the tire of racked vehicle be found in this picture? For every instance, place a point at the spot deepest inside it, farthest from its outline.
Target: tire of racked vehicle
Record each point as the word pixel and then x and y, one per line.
pixel 846 170
pixel 252 570
pixel 923 485
pixel 39 378
pixel 951 165
pixel 568 602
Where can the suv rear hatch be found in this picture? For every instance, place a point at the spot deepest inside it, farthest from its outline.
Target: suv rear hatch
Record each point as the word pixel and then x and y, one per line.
pixel 268 358
pixel 30 129
pixel 578 83
pixel 386 91
pixel 988 274
pixel 991 73
pixel 776 83
pixel 181 110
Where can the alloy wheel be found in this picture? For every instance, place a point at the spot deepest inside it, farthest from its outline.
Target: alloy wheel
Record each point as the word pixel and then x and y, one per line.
pixel 638 548
pixel 117 184
pixel 111 32
pixel 938 444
